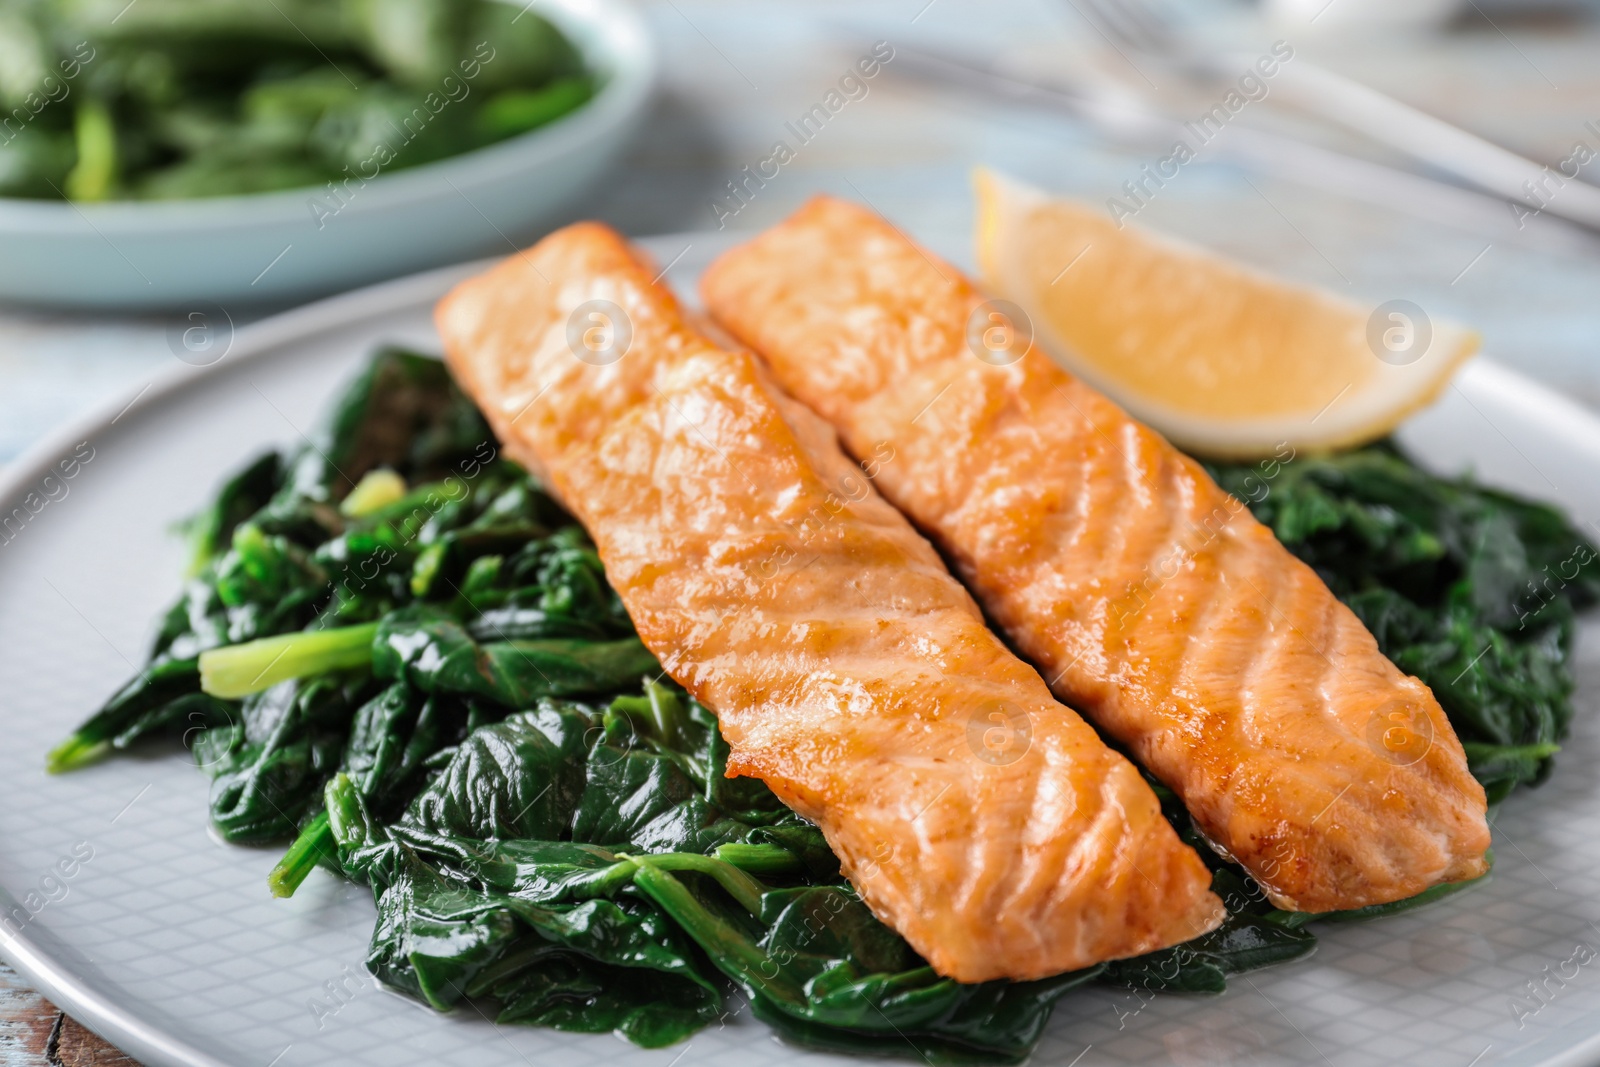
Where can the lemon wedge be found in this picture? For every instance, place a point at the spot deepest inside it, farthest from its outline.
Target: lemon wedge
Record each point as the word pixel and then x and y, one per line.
pixel 1223 360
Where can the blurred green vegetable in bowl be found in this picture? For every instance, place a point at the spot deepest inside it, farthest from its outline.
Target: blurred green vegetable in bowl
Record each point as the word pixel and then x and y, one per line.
pixel 169 99
pixel 258 151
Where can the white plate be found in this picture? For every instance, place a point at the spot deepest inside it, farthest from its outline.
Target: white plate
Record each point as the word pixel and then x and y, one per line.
pixel 167 943
pixel 272 247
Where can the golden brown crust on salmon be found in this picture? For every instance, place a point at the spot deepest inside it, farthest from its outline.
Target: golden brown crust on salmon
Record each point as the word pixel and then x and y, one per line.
pixel 1152 599
pixel 847 667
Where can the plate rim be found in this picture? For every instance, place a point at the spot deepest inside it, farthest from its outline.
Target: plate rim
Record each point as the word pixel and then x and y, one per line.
pixel 149 1043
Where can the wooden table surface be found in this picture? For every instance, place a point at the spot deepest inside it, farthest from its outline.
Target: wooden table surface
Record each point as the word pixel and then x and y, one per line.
pixel 734 71
pixel 33 1033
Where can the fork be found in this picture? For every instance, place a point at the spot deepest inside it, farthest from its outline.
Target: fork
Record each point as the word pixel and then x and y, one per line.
pixel 1530 187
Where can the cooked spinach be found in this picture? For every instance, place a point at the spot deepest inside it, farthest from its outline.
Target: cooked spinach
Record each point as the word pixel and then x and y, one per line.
pixel 1472 590
pixel 398 653
pixel 167 99
pixel 396 650
pixel 570 843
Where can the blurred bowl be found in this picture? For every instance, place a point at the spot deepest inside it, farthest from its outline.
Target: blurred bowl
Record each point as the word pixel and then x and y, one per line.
pixel 272 248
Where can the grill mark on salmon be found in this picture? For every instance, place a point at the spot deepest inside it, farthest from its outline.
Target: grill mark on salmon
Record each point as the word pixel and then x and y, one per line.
pixel 846 674
pixel 1151 599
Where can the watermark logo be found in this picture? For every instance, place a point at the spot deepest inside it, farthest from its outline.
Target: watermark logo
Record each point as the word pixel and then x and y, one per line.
pixel 1250 87
pixel 355 576
pixel 1540 991
pixel 202 335
pixel 999 733
pixel 52 488
pixel 453 88
pixel 337 993
pixel 1542 594
pixel 51 90
pixel 51 888
pixel 1541 192
pixel 819 519
pixel 1401 732
pixel 599 332
pixel 209 749
pixel 1399 332
pixel 852 86
pixel 1255 487
pixel 999 332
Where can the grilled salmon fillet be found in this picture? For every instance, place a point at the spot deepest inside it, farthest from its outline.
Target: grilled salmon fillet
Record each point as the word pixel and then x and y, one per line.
pixel 987 824
pixel 1150 598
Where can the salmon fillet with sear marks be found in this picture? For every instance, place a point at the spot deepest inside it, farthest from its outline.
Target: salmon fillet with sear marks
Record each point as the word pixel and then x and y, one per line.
pixel 1152 599
pixel 848 669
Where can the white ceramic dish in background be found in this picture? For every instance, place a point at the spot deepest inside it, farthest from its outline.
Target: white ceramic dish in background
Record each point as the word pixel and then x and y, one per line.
pixel 167 943
pixel 268 247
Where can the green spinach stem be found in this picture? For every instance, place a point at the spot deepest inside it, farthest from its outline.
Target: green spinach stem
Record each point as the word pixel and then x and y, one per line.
pixel 239 670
